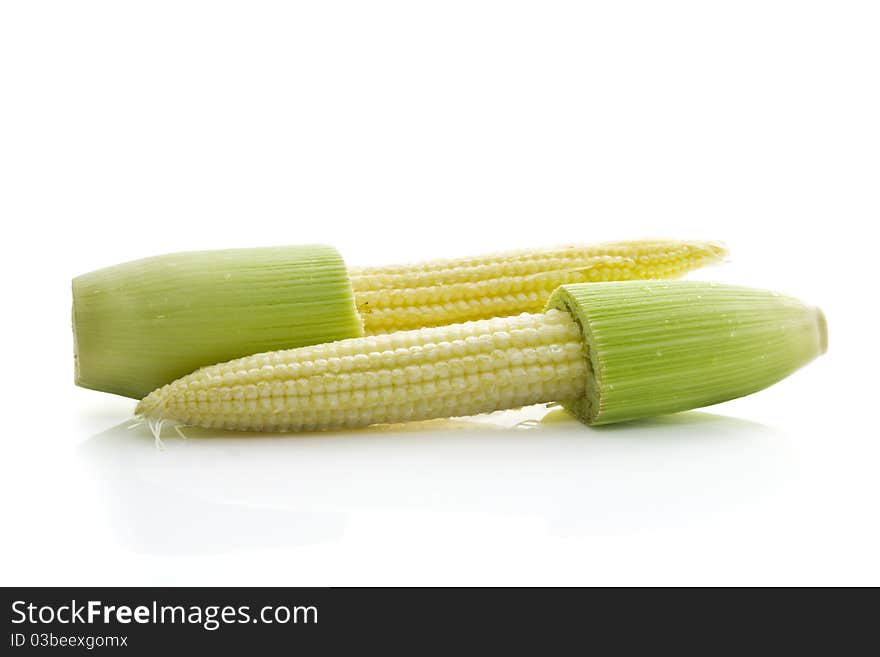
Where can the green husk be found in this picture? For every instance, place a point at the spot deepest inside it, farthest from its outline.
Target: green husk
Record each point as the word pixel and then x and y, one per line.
pixel 142 324
pixel 662 347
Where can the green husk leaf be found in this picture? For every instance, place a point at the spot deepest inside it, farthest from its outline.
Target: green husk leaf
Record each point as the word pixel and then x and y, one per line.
pixel 663 347
pixel 142 324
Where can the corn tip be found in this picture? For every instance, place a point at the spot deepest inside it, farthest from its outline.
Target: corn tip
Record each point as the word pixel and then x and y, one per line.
pixel 718 249
pixel 822 328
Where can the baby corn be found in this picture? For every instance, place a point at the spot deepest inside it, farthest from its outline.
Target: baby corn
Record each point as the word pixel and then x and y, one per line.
pixel 461 369
pixel 440 292
pixel 142 324
pixel 609 352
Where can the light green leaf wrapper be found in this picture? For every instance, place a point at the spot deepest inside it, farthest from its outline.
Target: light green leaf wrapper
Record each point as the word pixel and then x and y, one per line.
pixel 662 347
pixel 142 324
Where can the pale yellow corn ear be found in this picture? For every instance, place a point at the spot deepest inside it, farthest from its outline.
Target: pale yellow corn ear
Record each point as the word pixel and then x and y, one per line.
pixel 462 369
pixel 142 324
pixel 609 352
pixel 435 293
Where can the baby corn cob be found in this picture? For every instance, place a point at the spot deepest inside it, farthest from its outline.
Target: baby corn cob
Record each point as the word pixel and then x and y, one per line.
pixel 441 292
pixel 142 324
pixel 461 369
pixel 609 352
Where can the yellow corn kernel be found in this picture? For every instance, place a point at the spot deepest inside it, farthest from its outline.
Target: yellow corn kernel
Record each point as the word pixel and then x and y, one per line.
pixel 402 297
pixel 461 369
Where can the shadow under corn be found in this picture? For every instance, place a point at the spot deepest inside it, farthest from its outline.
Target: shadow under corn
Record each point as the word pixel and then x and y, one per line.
pixel 220 491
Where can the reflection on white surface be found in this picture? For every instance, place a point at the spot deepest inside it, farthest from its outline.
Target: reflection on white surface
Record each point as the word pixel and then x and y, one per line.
pixel 223 491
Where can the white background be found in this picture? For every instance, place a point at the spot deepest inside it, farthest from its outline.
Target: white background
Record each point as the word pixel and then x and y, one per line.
pixel 408 130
